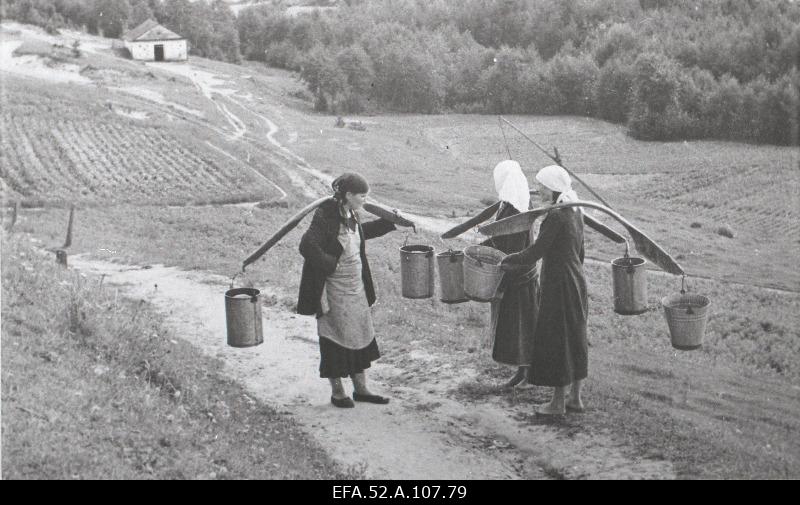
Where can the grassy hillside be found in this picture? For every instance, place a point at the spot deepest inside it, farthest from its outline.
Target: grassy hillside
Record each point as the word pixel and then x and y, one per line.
pixel 727 410
pixel 94 387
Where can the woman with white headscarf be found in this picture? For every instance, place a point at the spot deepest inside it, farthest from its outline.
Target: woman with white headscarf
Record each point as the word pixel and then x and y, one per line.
pixel 514 313
pixel 560 351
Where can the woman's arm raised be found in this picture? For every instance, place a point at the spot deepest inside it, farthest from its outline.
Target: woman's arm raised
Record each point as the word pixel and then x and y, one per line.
pixel 377 228
pixel 548 233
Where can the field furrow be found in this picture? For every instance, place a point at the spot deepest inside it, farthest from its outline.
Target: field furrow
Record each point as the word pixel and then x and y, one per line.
pixel 99 156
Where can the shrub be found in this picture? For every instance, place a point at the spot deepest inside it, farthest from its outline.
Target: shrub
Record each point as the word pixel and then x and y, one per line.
pixel 614 91
pixel 282 55
pixel 778 105
pixel 464 86
pixel 724 108
pixel 656 113
pixel 655 82
pixel 671 124
pixel 575 77
pixel 620 41
pixel 504 92
pixel 407 79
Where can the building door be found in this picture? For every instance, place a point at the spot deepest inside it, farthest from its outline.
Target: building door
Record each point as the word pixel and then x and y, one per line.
pixel 159 52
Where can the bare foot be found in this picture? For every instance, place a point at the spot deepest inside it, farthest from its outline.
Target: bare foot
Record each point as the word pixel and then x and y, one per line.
pixel 549 409
pixel 575 405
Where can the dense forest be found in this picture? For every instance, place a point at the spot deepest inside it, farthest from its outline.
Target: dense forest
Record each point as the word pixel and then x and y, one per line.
pixel 668 69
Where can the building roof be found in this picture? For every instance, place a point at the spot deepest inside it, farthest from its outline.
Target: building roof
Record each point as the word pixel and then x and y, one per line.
pixel 150 30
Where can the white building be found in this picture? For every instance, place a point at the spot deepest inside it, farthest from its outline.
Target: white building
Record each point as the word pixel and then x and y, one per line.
pixel 152 42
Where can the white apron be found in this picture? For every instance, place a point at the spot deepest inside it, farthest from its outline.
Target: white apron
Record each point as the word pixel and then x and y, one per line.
pixel 347 317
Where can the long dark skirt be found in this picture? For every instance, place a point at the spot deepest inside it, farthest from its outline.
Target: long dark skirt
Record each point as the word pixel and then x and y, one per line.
pixel 338 362
pixel 514 321
pixel 560 349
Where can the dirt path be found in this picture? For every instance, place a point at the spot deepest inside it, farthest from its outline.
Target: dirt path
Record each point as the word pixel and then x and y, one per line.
pixel 423 433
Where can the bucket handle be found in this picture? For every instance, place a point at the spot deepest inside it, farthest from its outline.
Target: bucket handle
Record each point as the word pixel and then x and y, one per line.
pixel 453 257
pixel 684 288
pixel 630 269
pixel 253 298
pixel 237 274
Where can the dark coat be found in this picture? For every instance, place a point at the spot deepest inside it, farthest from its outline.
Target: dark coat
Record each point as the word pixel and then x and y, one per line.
pixel 514 315
pixel 560 352
pixel 321 249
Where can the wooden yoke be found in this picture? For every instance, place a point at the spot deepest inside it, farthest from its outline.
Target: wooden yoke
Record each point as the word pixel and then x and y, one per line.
pixel 646 246
pixel 290 225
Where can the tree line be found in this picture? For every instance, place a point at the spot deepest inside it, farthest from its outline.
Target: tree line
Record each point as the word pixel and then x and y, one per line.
pixel 668 69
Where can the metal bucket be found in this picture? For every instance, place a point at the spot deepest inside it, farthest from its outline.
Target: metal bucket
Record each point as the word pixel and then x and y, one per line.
pixel 630 285
pixel 686 317
pixel 243 317
pixel 482 272
pixel 416 271
pixel 451 276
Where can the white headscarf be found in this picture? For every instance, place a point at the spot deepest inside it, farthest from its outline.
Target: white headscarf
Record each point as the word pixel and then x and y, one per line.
pixel 555 178
pixel 512 185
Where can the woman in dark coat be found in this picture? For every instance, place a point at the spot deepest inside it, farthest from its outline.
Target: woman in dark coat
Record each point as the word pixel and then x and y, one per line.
pixel 514 312
pixel 337 288
pixel 560 349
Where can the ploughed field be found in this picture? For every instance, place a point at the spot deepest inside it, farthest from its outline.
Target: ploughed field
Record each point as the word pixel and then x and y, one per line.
pixel 59 148
pixel 735 400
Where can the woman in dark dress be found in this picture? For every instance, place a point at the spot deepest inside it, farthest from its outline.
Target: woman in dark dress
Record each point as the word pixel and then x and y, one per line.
pixel 560 349
pixel 336 287
pixel 514 312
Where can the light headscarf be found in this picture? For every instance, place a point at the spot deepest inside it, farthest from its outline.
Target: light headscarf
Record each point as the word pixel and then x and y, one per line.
pixel 512 185
pixel 555 178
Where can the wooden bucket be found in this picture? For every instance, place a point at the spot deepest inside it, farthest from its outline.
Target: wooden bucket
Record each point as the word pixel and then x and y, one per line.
pixel 482 272
pixel 243 317
pixel 417 271
pixel 686 317
pixel 451 276
pixel 630 285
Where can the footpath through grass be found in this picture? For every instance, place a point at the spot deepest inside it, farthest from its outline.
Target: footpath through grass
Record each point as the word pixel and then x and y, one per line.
pixel 93 387
pixel 729 410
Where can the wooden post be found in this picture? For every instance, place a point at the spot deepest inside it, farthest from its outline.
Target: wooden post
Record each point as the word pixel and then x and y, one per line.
pixel 68 239
pixel 61 257
pixel 14 214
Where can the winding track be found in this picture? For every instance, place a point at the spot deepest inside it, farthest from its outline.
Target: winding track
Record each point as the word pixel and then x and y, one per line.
pixel 422 434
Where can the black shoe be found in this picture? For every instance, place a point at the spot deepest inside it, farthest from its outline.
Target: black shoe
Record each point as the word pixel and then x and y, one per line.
pixel 380 400
pixel 517 379
pixel 343 403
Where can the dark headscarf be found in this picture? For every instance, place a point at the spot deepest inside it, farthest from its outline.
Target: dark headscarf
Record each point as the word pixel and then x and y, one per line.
pixel 349 182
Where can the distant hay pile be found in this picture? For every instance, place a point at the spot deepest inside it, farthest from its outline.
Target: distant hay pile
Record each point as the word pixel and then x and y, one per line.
pixel 725 230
